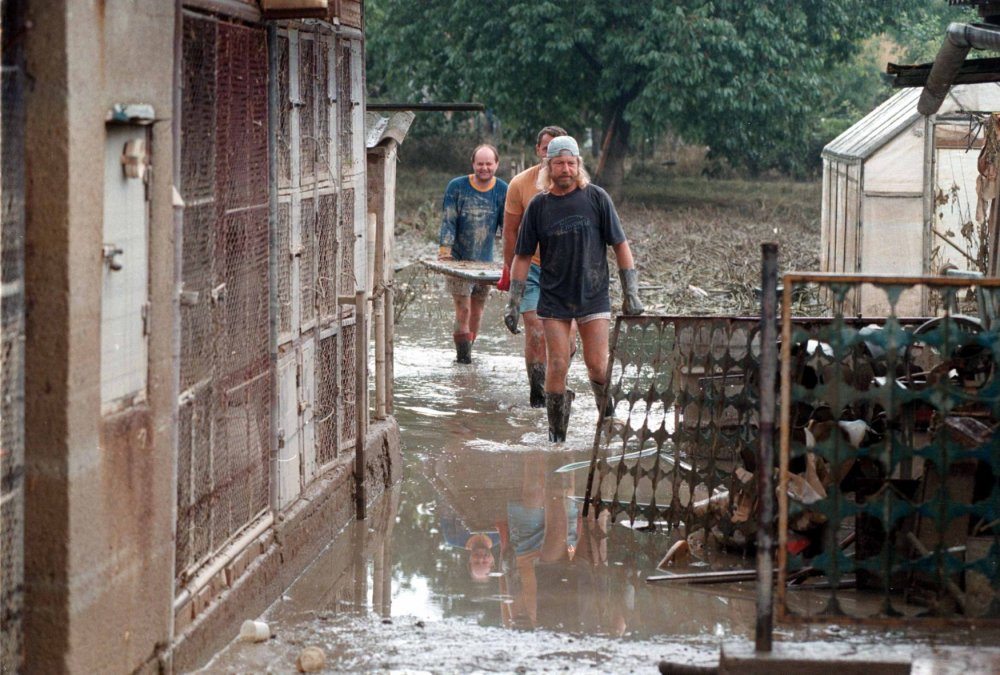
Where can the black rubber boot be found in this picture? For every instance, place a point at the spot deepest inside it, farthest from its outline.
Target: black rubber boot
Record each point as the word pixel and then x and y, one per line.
pixel 554 404
pixel 557 407
pixel 599 399
pixel 463 347
pixel 536 383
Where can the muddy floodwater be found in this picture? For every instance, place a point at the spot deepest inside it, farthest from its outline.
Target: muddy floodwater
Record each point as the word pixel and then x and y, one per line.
pixel 480 560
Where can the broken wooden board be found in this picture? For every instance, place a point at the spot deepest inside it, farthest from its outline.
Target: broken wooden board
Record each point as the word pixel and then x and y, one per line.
pixel 470 270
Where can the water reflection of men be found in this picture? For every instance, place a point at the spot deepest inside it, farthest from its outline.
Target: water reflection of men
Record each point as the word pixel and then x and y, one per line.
pixel 479 545
pixel 540 529
pixel 555 562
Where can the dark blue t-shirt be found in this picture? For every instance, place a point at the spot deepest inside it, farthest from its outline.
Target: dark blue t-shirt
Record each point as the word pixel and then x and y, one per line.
pixel 573 232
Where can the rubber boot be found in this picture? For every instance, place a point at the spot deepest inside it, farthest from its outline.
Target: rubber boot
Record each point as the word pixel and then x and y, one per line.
pixel 557 407
pixel 463 347
pixel 536 384
pixel 599 399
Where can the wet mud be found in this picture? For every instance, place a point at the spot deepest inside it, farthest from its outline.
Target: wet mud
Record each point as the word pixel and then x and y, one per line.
pixel 481 559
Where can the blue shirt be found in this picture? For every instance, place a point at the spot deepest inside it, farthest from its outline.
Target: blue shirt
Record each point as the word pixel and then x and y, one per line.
pixel 471 218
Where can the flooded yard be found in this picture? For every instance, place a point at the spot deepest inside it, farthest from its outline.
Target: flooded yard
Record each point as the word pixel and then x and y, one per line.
pixel 481 561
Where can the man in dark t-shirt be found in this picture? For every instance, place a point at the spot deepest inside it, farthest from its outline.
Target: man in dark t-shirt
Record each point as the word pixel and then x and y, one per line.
pixel 573 222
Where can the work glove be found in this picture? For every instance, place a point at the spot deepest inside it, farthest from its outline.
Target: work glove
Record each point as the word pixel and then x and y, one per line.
pixel 631 304
pixel 444 253
pixel 504 283
pixel 513 313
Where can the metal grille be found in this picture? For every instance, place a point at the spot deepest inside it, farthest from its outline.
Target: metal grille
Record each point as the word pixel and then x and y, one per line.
pixel 326 401
pixel 284 149
pixel 284 268
pixel 348 396
pixel 12 334
pixel 324 104
pixel 326 240
pixel 889 459
pixel 307 262
pixel 223 465
pixel 346 242
pixel 684 421
pixel 307 110
pixel 345 119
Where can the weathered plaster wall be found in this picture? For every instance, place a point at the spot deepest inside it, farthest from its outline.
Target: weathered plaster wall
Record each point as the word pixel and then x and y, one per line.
pixel 99 499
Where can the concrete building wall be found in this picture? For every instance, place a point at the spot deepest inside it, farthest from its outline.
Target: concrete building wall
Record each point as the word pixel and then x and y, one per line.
pixel 99 498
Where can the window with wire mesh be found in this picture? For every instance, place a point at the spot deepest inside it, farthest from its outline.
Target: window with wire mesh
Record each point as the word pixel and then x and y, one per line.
pixel 348 395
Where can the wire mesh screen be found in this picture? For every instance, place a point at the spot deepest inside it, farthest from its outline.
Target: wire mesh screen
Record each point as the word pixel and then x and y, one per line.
pixel 223 464
pixel 284 268
pixel 326 401
pixel 889 459
pixel 345 120
pixel 346 241
pixel 307 109
pixel 348 395
pixel 12 335
pixel 682 435
pixel 283 151
pixel 307 261
pixel 326 253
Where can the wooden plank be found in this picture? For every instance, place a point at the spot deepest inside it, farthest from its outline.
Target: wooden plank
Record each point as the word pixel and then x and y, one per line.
pixel 488 272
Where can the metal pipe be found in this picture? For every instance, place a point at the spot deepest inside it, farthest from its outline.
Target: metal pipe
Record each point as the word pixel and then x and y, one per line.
pixel 226 555
pixel 378 314
pixel 273 310
pixel 959 39
pixel 765 456
pixel 426 107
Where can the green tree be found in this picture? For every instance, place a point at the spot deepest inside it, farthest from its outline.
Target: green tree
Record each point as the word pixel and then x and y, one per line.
pixel 742 76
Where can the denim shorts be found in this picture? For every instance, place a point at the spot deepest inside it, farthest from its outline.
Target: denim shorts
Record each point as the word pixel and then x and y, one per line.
pixel 532 291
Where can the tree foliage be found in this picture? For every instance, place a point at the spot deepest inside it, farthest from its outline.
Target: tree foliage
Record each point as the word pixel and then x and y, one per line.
pixel 745 77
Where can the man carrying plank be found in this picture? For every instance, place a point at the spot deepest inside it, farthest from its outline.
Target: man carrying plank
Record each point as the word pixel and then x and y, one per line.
pixel 472 213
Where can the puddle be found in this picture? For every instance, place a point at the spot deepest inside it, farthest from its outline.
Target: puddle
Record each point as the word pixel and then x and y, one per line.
pixel 480 559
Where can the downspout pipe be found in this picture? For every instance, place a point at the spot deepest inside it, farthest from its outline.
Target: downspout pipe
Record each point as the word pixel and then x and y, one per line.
pixel 959 39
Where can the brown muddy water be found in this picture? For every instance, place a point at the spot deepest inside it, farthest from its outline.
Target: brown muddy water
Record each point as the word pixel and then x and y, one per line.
pixel 481 561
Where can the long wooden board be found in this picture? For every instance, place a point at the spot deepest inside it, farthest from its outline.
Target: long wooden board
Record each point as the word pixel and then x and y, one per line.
pixel 471 270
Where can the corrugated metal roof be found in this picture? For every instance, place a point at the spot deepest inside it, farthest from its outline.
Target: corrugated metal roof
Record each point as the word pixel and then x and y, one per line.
pixel 876 128
pixel 899 111
pixel 378 128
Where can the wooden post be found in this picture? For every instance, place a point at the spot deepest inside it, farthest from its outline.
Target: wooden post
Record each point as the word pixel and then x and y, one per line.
pixel 378 317
pixel 361 401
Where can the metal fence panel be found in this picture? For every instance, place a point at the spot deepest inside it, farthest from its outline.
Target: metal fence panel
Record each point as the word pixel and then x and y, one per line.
pixel 889 460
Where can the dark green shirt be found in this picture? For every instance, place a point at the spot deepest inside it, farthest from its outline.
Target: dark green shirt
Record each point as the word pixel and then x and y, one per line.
pixel 573 232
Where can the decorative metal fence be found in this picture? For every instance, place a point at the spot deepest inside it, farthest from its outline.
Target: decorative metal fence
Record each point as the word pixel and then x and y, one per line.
pixel 890 458
pixel 889 495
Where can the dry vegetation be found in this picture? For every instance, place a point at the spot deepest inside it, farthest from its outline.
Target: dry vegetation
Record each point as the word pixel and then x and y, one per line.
pixel 697 241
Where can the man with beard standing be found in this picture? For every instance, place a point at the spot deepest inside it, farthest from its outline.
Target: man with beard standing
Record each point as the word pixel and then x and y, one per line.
pixel 522 188
pixel 573 222
pixel 472 214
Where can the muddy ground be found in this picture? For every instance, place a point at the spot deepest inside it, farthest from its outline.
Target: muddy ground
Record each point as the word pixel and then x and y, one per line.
pixel 697 241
